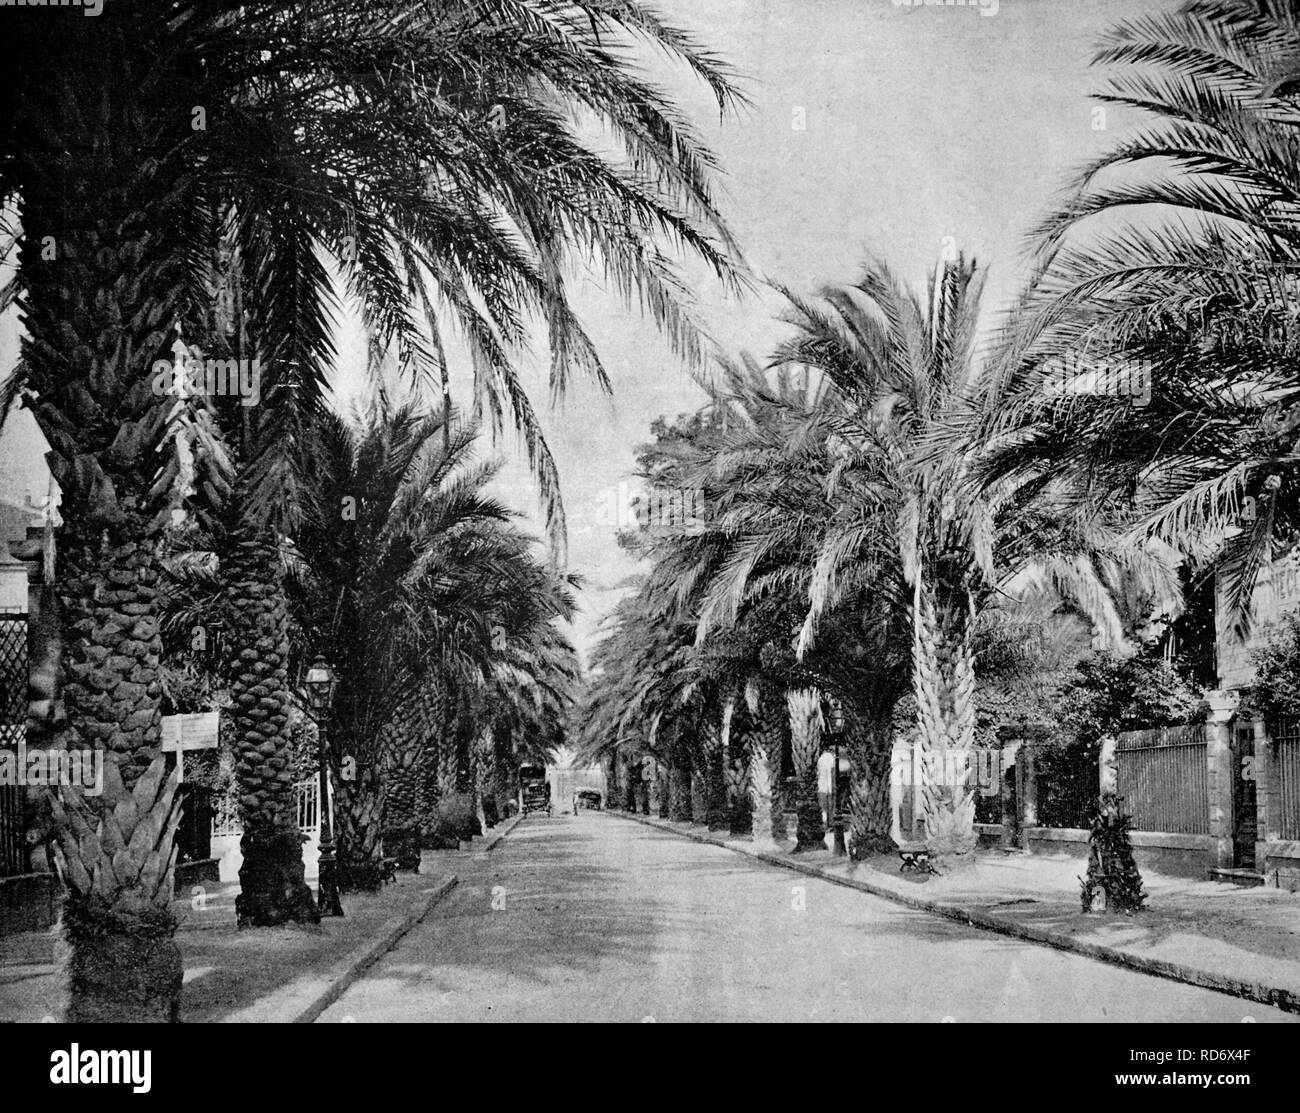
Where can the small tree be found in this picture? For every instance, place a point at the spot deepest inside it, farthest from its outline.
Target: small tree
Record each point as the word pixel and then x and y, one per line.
pixel 1277 671
pixel 1111 867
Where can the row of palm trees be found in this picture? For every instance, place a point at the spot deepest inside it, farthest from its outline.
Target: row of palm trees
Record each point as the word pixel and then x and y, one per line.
pixel 890 492
pixel 189 176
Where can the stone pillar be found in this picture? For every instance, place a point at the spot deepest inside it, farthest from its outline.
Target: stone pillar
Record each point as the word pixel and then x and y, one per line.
pixel 1218 765
pixel 1268 791
pixel 900 781
pixel 1008 817
pixel 1026 791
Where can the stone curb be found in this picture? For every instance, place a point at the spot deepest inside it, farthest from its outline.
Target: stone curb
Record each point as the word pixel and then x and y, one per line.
pixel 1276 996
pixel 369 955
pixel 499 832
pixel 330 986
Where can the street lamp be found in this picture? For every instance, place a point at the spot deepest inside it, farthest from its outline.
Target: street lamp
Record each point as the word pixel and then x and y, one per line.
pixel 319 683
pixel 838 849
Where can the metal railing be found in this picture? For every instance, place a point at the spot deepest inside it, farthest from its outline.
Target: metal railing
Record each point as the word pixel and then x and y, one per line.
pixel 1286 739
pixel 225 818
pixel 1162 776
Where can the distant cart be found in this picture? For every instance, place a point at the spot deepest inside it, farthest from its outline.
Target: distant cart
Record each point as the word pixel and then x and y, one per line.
pixel 534 790
pixel 587 798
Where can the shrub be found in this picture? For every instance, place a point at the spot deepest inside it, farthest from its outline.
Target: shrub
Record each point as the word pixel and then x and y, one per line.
pixel 1110 862
pixel 1277 671
pixel 453 822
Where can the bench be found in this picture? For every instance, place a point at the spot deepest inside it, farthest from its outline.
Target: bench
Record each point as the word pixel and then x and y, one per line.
pixel 916 859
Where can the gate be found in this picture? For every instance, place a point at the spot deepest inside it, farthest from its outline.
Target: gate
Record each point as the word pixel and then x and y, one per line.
pixel 1161 775
pixel 1245 812
pixel 13 719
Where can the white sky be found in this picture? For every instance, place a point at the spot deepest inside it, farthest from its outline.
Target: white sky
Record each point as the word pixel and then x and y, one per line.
pixel 921 123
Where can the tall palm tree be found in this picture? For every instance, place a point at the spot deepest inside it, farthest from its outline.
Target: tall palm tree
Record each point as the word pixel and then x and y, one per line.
pixel 1174 262
pixel 353 128
pixel 858 492
pixel 417 513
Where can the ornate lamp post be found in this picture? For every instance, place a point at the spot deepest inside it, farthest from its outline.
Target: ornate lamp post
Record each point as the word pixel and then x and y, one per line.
pixel 319 683
pixel 839 850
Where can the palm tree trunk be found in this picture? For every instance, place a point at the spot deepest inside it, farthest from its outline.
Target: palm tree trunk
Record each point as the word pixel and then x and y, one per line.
pixel 765 741
pixel 402 749
pixel 679 782
pixel 715 775
pixel 870 813
pixel 805 739
pixel 430 728
pixel 736 768
pixel 272 886
pixel 483 772
pixel 359 826
pixel 944 685
pixel 98 311
pixel 116 848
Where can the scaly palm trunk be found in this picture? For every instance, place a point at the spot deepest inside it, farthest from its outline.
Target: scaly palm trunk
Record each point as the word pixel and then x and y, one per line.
pixel 679 781
pixel 100 278
pixel 448 763
pixel 402 749
pixel 431 727
pixel 272 886
pixel 766 738
pixel 870 814
pixel 943 679
pixel 358 821
pixel 805 740
pixel 715 775
pixel 482 771
pixel 117 855
pixel 736 769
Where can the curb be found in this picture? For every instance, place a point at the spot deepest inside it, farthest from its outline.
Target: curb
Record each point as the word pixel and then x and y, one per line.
pixel 500 832
pixel 347 970
pixel 372 954
pixel 1284 999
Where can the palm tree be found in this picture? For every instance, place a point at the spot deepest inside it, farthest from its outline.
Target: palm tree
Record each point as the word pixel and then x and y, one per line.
pixel 417 513
pixel 352 128
pixel 856 490
pixel 1174 260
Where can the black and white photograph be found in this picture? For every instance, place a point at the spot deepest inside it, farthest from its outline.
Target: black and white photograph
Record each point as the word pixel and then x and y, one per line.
pixel 650 511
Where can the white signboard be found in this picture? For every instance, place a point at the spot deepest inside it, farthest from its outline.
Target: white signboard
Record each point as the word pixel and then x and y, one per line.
pixel 190 732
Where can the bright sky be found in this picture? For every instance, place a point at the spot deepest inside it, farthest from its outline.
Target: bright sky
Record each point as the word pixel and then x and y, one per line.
pixel 918 123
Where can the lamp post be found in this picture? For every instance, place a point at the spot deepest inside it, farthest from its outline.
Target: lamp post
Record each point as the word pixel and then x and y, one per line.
pixel 838 849
pixel 319 683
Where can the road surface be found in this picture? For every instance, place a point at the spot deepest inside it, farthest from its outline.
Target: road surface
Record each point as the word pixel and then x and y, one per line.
pixel 597 918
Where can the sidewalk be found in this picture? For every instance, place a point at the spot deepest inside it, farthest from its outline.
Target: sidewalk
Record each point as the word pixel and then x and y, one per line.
pixel 270 974
pixel 1245 942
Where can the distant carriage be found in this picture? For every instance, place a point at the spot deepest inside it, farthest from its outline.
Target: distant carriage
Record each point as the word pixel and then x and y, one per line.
pixel 534 789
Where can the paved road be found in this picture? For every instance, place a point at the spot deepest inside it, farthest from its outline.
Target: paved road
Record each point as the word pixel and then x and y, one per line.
pixel 601 918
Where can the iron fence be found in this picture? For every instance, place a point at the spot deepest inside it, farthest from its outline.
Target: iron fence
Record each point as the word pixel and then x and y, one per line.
pixel 1286 739
pixel 13 718
pixel 1162 776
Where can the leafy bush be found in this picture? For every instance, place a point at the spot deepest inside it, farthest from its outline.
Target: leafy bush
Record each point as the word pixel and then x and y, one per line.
pixel 1277 677
pixel 453 822
pixel 1106 694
